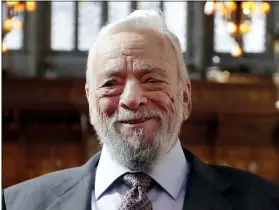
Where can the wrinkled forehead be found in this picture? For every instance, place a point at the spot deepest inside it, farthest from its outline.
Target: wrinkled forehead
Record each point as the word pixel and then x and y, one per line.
pixel 149 47
pixel 130 39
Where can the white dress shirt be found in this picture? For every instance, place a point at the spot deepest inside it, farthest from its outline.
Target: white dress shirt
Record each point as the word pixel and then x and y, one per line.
pixel 171 173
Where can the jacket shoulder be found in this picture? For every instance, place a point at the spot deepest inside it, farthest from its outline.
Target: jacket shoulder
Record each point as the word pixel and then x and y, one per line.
pixel 46 181
pixel 39 190
pixel 246 181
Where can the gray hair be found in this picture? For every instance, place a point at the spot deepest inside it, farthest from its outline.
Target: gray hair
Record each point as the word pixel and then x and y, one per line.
pixel 140 19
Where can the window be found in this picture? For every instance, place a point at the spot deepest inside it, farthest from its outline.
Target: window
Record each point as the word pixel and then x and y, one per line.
pixel 14 39
pixel 62 25
pixel 89 23
pixel 257 35
pixel 118 10
pixel 74 25
pixel 155 5
pixel 223 43
pixel 177 23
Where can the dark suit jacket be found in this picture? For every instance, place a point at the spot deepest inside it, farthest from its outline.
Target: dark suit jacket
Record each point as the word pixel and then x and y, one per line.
pixel 209 188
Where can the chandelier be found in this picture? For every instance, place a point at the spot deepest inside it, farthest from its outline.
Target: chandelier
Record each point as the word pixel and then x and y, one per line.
pixel 14 10
pixel 276 82
pixel 237 18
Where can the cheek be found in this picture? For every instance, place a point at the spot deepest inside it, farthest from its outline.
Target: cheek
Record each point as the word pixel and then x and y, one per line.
pixel 163 100
pixel 108 105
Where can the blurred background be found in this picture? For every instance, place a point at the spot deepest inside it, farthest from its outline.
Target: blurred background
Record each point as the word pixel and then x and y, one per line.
pixel 231 50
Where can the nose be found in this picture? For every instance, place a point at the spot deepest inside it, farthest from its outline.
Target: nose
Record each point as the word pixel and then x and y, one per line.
pixel 132 96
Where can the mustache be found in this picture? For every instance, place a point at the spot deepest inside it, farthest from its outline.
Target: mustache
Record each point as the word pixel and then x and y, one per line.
pixel 126 115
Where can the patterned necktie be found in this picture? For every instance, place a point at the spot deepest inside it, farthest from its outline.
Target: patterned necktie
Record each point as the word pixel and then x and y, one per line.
pixel 136 198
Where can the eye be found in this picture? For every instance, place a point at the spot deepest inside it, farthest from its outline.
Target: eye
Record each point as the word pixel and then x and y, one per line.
pixel 152 80
pixel 110 83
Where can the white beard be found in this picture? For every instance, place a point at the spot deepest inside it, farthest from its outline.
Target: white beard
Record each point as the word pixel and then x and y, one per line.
pixel 145 153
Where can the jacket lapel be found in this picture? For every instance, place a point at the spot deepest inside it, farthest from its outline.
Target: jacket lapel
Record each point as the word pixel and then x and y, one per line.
pixel 75 193
pixel 205 187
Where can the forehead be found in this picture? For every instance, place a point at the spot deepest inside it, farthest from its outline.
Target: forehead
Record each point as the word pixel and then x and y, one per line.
pixel 130 39
pixel 145 47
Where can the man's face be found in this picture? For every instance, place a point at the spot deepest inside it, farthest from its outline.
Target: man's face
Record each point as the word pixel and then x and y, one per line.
pixel 136 102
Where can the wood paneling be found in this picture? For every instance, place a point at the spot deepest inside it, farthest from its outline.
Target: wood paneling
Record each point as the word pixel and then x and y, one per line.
pixel 44 158
pixel 231 124
pixel 13 165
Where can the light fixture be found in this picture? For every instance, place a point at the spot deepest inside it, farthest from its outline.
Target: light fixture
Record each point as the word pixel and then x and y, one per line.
pixel 276 82
pixel 237 17
pixel 4 48
pixel 236 50
pixel 12 21
pixel 277 104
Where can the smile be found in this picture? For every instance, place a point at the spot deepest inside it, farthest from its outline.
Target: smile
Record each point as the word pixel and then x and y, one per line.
pixel 135 121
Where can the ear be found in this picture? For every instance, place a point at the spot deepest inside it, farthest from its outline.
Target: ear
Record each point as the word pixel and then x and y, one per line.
pixel 187 101
pixel 88 100
pixel 87 91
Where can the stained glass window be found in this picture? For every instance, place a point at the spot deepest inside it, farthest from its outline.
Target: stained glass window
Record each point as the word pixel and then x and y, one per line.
pixel 89 23
pixel 14 39
pixel 62 25
pixel 177 23
pixel 118 10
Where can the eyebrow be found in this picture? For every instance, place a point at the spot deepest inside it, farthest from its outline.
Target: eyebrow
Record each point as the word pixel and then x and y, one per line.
pixel 158 70
pixel 112 72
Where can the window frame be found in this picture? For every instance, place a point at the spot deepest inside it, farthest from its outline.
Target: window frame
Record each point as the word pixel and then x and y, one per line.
pixel 227 57
pixel 23 49
pixel 104 19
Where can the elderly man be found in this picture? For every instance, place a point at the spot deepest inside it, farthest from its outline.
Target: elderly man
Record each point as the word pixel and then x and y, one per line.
pixel 139 95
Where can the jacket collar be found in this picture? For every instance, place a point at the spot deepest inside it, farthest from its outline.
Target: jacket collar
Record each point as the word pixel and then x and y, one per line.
pixel 76 191
pixel 205 189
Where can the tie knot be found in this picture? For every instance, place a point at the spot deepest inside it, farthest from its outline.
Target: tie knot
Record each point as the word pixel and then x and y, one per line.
pixel 138 180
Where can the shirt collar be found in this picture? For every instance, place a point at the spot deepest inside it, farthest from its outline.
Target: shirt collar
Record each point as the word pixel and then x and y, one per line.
pixel 169 172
